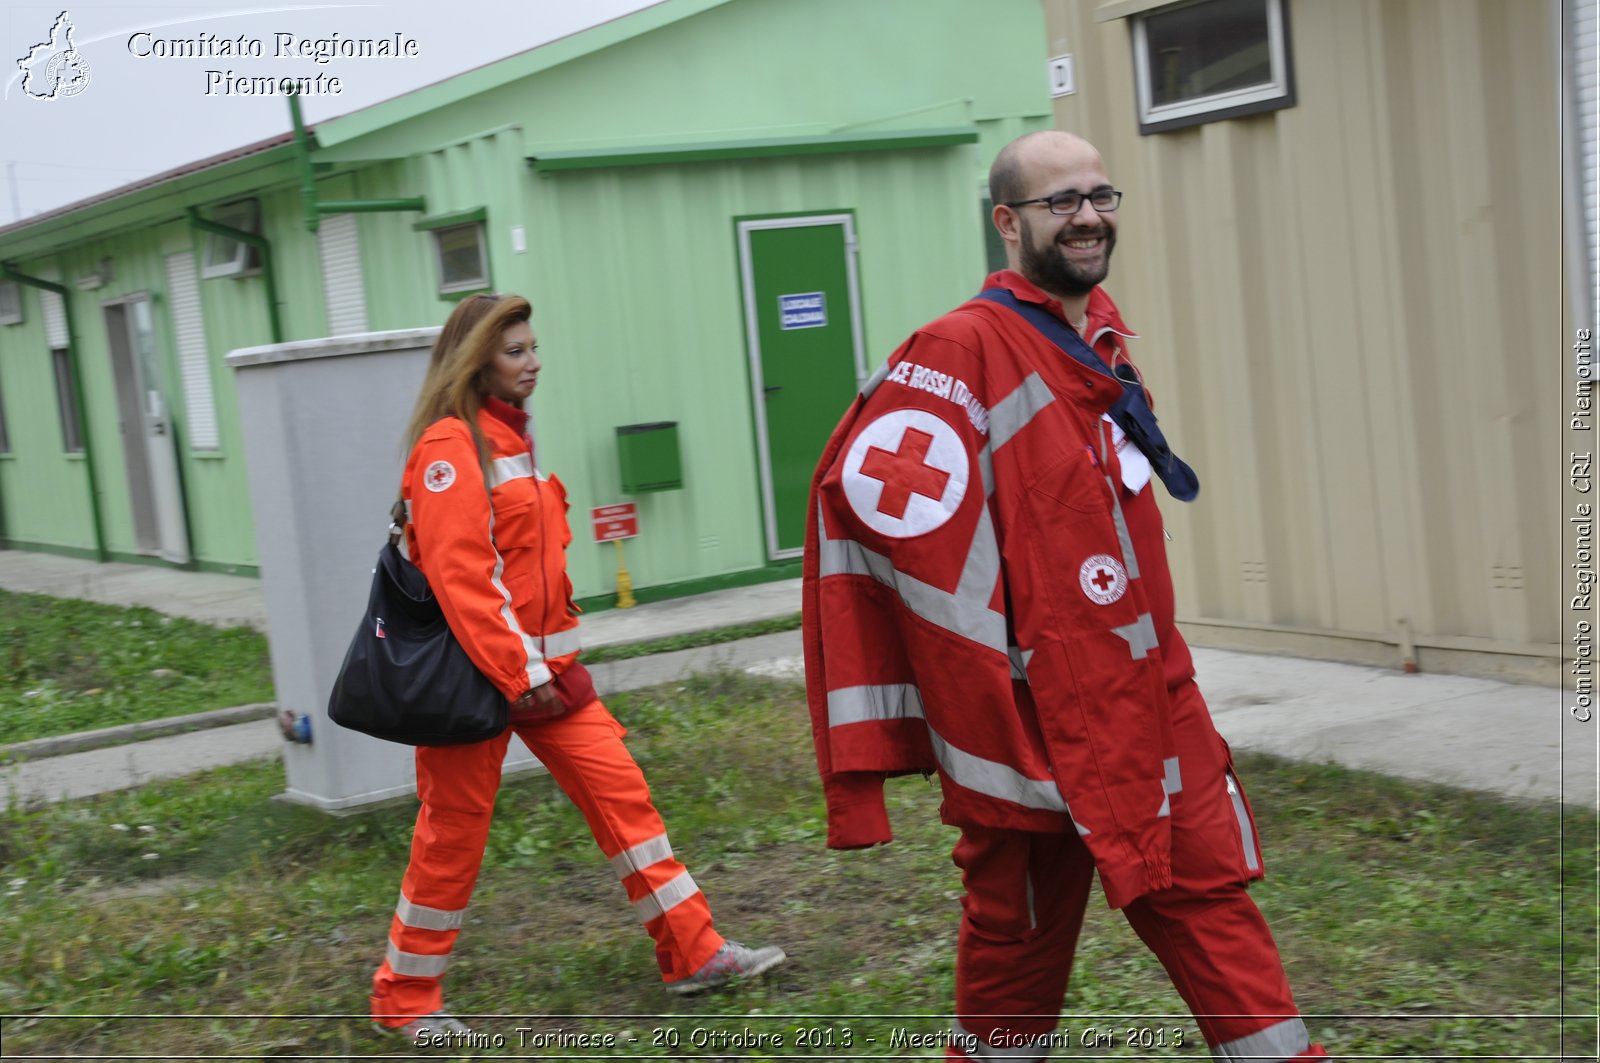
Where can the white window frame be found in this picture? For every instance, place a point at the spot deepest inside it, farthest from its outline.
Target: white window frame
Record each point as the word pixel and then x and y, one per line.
pixel 1254 99
pixel 242 260
pixel 481 280
pixel 10 303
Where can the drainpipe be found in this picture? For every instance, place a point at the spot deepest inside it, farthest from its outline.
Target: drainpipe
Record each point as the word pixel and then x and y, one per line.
pixel 261 244
pixel 308 183
pixel 10 274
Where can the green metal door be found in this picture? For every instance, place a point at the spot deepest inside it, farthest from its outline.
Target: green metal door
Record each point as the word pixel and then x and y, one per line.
pixel 803 323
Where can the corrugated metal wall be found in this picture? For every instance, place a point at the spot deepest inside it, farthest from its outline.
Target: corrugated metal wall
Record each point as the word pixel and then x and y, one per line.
pixel 1583 22
pixel 45 490
pixel 1351 311
pixel 673 348
pixel 633 275
pixel 52 506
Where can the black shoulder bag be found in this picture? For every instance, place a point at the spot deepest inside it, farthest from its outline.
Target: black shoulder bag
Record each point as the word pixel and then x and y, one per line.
pixel 405 678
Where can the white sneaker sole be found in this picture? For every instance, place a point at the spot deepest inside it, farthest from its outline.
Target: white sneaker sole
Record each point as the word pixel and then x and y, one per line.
pixel 689 985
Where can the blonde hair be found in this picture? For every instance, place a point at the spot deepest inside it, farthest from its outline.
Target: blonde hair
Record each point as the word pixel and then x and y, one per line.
pixel 466 346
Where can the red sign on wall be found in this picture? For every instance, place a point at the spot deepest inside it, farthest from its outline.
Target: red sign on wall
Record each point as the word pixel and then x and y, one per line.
pixel 620 521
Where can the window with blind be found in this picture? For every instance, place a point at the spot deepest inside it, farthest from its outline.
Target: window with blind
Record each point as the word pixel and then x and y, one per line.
pixel 194 357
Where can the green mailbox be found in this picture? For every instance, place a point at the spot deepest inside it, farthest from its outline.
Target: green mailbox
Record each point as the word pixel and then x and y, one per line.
pixel 647 457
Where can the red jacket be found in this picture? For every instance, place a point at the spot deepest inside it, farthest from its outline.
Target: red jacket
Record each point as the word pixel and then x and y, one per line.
pixel 496 559
pixel 985 598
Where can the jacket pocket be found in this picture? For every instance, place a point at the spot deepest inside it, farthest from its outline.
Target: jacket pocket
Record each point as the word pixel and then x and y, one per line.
pixel 1076 481
pixel 1244 817
pixel 516 525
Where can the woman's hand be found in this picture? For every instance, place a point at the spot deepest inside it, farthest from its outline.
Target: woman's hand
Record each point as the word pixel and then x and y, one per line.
pixel 538 703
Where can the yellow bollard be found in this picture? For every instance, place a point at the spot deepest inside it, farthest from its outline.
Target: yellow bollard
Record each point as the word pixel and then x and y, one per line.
pixel 624 581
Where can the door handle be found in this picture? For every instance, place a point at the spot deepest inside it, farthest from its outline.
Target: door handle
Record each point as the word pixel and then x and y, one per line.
pixel 772 388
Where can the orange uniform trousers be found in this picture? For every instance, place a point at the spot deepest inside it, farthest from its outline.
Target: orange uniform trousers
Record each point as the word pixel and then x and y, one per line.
pixel 584 753
pixel 1025 898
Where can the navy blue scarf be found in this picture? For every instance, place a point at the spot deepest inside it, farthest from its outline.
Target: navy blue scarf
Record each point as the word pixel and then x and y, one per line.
pixel 1131 412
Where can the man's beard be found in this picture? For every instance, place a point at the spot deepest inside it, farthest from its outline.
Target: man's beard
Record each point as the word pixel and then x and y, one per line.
pixel 1051 270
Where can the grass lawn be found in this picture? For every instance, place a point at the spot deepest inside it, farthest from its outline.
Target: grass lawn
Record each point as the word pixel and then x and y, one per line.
pixel 200 917
pixel 68 666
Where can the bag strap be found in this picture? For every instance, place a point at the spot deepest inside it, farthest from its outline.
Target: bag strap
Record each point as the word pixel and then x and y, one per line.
pixel 397 521
pixel 1131 411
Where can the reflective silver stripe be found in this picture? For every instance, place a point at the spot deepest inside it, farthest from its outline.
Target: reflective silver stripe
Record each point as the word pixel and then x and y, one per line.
pixel 563 642
pixel 641 856
pixel 538 673
pixel 660 901
pixel 890 701
pixel 1171 783
pixel 422 917
pixel 1129 560
pixel 516 467
pixel 1281 1041
pixel 981 574
pixel 998 780
pixel 977 1048
pixel 1019 662
pixel 986 470
pixel 964 612
pixel 1141 636
pixel 415 965
pixel 1011 414
pixel 408 511
pixel 898 701
pixel 1247 836
pixel 875 379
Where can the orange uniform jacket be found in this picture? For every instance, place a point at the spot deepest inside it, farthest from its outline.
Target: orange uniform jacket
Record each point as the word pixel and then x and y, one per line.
pixel 496 558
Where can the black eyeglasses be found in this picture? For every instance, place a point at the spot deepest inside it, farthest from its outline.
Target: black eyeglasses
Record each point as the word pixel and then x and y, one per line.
pixel 1066 204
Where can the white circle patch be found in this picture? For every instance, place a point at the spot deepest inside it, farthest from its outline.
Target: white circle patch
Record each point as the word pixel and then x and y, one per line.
pixel 906 473
pixel 439 476
pixel 1103 579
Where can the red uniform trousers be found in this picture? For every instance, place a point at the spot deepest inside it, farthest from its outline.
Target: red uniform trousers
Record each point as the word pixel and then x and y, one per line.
pixel 457 784
pixel 1025 898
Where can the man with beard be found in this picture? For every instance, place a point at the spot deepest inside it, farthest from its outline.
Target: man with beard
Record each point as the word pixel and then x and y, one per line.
pixel 987 596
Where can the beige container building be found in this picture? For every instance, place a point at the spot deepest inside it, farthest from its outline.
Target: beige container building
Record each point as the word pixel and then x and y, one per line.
pixel 1352 311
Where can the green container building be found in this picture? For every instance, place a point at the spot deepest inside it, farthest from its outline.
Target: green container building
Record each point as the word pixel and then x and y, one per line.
pixel 726 213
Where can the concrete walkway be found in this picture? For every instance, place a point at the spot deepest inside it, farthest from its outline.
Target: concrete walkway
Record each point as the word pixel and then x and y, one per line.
pixel 1505 738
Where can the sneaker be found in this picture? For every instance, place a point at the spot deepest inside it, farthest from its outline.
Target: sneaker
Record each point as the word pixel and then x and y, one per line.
pixel 440 1022
pixel 732 961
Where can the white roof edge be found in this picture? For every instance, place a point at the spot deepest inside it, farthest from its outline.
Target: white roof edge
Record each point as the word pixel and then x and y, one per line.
pixel 406 339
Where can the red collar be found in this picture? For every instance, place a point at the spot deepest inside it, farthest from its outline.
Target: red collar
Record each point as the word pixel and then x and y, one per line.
pixel 1102 312
pixel 514 417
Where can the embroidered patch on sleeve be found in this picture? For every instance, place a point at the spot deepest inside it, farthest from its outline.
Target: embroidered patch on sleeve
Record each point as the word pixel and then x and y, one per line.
pixel 906 473
pixel 439 476
pixel 1103 579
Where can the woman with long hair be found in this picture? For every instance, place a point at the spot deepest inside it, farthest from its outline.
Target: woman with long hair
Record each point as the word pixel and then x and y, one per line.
pixel 489 530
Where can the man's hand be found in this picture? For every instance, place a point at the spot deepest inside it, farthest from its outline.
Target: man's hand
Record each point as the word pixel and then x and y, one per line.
pixel 537 703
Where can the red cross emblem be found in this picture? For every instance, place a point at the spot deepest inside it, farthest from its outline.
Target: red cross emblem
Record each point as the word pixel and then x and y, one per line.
pixel 439 476
pixel 1103 579
pixel 905 471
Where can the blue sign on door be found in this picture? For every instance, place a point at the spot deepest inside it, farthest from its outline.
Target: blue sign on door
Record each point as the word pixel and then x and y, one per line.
pixel 803 310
